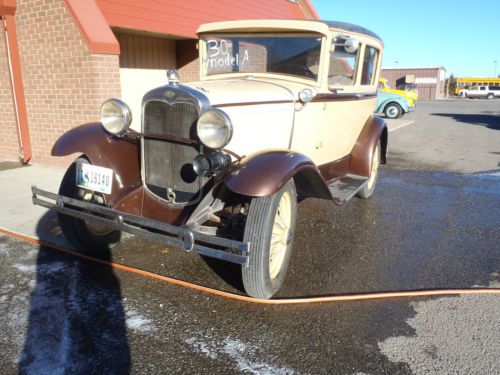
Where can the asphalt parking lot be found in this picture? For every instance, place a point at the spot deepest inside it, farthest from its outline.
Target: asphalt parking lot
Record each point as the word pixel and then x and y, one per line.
pixel 433 223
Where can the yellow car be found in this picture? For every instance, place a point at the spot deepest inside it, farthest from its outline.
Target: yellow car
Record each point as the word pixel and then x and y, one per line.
pixel 411 95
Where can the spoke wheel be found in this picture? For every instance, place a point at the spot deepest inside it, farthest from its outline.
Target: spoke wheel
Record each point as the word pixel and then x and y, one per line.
pixel 269 227
pixel 374 169
pixel 369 188
pixel 280 237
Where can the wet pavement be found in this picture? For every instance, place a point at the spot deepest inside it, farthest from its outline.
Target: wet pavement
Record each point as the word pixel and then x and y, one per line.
pixel 420 230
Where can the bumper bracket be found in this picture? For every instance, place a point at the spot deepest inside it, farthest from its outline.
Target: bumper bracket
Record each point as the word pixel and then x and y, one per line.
pixel 180 237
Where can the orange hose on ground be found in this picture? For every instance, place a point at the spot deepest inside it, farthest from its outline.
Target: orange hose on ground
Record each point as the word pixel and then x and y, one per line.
pixel 335 298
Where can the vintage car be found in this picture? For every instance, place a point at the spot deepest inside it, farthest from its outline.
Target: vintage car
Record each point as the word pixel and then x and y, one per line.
pixel 410 88
pixel 410 95
pixel 284 109
pixel 392 105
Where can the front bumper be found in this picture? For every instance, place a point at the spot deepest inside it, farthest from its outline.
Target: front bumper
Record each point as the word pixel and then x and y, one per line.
pixel 180 237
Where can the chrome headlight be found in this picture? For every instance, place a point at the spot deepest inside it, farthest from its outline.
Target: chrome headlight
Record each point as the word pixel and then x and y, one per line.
pixel 214 128
pixel 115 116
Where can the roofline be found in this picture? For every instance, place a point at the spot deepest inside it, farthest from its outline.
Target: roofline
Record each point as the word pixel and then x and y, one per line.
pixel 93 27
pixel 479 78
pixel 309 5
pixel 414 67
pixel 7 7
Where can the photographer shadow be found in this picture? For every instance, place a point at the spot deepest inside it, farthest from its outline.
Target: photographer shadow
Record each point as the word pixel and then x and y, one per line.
pixel 76 318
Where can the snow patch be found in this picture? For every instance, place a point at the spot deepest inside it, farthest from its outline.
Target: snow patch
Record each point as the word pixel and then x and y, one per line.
pixel 54 267
pixel 138 322
pixel 4 249
pixel 493 175
pixel 202 347
pixel 26 268
pixel 241 353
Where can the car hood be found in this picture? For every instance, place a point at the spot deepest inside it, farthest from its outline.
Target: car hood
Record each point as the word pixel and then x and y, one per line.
pixel 243 91
pixel 405 94
pixel 261 111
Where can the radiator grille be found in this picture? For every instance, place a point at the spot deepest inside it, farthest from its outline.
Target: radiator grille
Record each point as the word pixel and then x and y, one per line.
pixel 168 164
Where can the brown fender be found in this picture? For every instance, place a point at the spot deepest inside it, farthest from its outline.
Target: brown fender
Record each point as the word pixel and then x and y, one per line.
pixel 362 152
pixel 264 173
pixel 105 150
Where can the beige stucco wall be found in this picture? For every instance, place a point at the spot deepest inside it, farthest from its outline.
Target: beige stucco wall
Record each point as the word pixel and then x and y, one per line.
pixel 134 84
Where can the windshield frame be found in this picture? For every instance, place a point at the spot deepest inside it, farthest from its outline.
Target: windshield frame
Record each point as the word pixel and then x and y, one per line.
pixel 310 81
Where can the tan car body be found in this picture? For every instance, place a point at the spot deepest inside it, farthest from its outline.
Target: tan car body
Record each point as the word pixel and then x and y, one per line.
pixel 325 130
pixel 307 129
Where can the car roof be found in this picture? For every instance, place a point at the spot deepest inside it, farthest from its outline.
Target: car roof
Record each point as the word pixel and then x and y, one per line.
pixel 351 27
pixel 270 25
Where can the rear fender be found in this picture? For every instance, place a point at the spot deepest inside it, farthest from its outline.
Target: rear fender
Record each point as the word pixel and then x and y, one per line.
pixel 105 150
pixel 362 153
pixel 263 174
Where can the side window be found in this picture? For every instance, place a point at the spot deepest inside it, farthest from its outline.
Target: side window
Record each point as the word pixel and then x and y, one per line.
pixel 342 70
pixel 369 66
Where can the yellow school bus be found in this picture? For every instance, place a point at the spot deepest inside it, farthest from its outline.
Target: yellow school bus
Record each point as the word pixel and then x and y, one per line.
pixel 463 83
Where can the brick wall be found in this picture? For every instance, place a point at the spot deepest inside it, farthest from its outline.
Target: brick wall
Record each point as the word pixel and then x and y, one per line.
pixel 64 83
pixel 9 146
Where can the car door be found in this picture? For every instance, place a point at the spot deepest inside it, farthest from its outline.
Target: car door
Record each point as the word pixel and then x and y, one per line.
pixel 352 82
pixel 482 92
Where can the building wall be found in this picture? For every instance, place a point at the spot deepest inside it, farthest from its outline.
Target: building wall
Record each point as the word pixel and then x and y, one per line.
pixel 430 81
pixel 64 83
pixel 144 60
pixel 9 146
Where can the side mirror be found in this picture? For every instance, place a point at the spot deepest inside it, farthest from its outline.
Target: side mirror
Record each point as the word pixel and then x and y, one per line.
pixel 351 45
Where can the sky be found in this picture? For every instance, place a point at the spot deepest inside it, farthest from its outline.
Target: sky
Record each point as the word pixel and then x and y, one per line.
pixel 463 36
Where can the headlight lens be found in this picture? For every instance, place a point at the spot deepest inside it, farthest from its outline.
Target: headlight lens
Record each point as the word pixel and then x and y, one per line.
pixel 214 128
pixel 115 116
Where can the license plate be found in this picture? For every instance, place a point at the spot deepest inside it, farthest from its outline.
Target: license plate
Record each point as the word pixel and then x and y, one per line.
pixel 94 178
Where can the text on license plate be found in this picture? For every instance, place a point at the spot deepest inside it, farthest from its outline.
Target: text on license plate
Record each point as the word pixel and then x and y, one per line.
pixel 94 178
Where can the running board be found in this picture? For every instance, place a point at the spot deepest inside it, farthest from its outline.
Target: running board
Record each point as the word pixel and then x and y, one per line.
pixel 344 189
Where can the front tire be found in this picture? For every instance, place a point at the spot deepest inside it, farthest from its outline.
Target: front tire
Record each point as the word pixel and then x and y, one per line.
pixel 269 227
pixel 393 111
pixel 87 237
pixel 490 96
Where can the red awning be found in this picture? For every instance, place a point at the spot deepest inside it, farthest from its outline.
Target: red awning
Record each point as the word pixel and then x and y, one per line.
pixel 182 18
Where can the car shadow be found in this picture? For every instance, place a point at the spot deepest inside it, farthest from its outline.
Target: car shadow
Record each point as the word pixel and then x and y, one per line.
pixel 230 273
pixel 76 321
pixel 489 121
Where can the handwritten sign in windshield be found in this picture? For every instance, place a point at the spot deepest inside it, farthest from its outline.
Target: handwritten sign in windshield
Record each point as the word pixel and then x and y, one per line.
pixel 220 55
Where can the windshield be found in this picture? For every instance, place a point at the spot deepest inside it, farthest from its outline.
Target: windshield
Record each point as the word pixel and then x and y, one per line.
pixel 295 55
pixel 407 86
